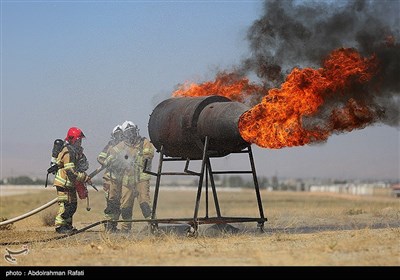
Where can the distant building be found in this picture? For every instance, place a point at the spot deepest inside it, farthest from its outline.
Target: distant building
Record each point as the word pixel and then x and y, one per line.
pixel 355 189
pixel 395 190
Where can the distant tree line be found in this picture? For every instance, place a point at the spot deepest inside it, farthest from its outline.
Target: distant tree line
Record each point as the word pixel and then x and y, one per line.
pixel 225 181
pixel 240 182
pixel 21 180
pixel 26 180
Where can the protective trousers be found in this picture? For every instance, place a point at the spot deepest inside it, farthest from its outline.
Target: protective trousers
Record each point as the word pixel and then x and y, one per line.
pixel 68 203
pixel 112 190
pixel 143 195
pixel 127 199
pixel 119 203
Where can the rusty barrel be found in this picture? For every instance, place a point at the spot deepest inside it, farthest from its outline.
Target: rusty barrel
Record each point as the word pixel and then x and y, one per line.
pixel 181 124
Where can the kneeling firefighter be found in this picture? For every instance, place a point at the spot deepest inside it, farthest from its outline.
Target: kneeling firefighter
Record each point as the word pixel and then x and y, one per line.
pixel 70 178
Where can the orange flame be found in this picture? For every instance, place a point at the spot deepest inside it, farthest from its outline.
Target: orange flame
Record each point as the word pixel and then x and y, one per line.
pixel 277 121
pixel 225 84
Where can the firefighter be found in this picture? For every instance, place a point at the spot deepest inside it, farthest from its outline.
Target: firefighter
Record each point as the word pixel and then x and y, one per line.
pixel 126 159
pixel 72 164
pixel 109 176
pixel 144 157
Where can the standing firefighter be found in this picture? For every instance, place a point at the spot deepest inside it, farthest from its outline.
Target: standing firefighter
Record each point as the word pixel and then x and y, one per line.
pixel 144 157
pixel 126 159
pixel 72 164
pixel 110 177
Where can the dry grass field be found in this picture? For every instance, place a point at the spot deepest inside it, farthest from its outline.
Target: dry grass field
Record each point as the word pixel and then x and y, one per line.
pixel 303 229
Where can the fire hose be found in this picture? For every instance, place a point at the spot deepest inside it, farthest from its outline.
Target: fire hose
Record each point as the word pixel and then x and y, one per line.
pixel 48 204
pixel 56 237
pixel 30 213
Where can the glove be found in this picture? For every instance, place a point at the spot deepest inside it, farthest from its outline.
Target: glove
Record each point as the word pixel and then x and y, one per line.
pixel 53 169
pixel 108 161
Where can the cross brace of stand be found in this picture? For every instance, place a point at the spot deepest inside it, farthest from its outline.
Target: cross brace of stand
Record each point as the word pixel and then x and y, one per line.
pixel 206 174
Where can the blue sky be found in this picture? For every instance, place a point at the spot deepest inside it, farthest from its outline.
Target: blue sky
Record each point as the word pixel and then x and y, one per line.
pixel 96 64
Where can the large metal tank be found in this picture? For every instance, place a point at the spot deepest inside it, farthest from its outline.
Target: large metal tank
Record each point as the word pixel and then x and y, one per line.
pixel 180 125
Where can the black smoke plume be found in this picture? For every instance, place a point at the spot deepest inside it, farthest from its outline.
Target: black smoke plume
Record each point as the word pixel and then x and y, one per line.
pixel 302 33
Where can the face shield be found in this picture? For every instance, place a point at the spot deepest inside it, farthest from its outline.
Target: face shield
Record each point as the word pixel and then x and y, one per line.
pixel 130 135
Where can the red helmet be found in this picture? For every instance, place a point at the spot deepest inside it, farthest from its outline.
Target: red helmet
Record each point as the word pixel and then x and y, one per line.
pixel 74 134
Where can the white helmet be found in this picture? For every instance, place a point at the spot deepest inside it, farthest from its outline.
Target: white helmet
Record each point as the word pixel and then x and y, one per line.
pixel 129 125
pixel 117 133
pixel 130 131
pixel 116 129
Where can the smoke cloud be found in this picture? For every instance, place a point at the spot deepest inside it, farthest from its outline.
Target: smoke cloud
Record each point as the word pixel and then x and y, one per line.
pixel 302 34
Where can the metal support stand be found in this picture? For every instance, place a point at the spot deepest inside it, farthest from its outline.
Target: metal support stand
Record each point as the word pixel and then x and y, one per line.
pixel 206 174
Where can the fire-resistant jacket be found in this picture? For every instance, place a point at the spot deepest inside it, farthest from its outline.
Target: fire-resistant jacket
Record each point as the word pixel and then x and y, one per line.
pixel 103 154
pixel 145 152
pixel 101 158
pixel 68 162
pixel 127 160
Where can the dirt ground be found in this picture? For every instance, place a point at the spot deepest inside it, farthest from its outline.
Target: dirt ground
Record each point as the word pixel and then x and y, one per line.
pixel 303 229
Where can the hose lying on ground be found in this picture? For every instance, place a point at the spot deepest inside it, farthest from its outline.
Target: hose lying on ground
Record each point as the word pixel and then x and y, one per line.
pixel 30 213
pixel 55 237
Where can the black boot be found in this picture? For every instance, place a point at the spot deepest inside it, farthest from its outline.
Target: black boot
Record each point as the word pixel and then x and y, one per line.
pixel 111 227
pixel 65 229
pixel 146 210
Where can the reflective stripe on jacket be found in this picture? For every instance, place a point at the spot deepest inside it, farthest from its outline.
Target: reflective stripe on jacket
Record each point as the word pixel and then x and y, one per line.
pixel 101 158
pixel 67 173
pixel 128 161
pixel 145 152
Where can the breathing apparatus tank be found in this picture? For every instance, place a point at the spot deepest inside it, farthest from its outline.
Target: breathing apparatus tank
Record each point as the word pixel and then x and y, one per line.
pixel 57 147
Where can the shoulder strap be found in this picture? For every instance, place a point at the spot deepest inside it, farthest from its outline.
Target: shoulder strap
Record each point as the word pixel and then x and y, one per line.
pixel 72 152
pixel 141 143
